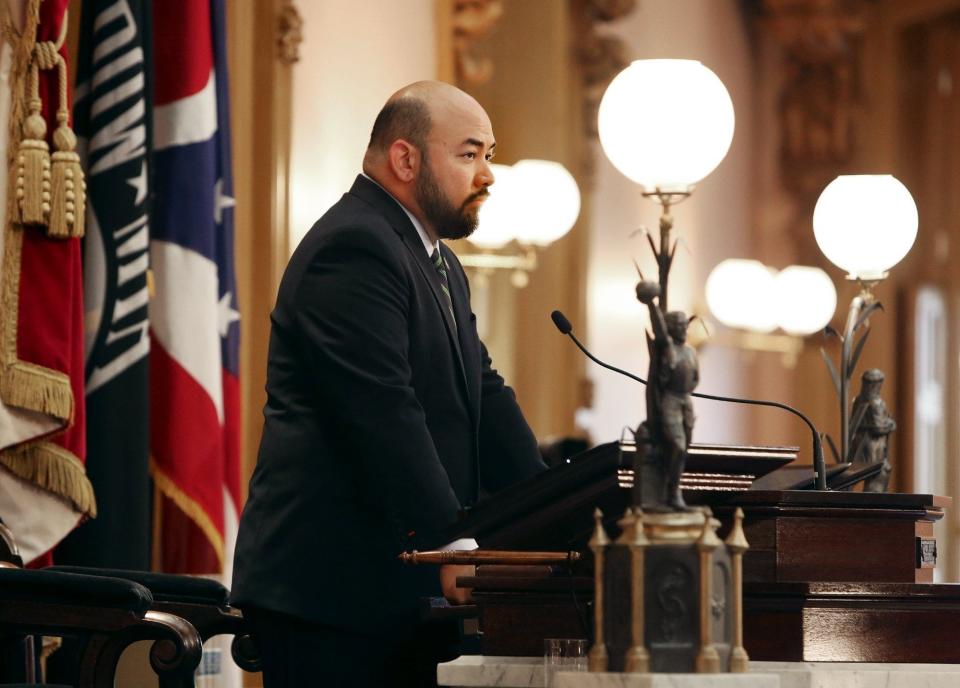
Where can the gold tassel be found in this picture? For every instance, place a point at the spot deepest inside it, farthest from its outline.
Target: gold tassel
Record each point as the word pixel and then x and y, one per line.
pixel 52 195
pixel 69 190
pixel 33 169
pixel 54 469
pixel 68 202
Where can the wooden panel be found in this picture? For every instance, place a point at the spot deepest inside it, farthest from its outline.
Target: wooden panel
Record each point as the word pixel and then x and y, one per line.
pixel 927 72
pixel 516 626
pixel 837 536
pixel 260 104
pixel 845 549
pixel 866 635
pixel 774 633
pixel 852 623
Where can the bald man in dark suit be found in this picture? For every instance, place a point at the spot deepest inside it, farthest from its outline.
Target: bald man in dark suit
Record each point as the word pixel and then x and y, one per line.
pixel 384 416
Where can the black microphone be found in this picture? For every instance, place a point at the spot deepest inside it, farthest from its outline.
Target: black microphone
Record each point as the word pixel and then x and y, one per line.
pixel 560 320
pixel 819 466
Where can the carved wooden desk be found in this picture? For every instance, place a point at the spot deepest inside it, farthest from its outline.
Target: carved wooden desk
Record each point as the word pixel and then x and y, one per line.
pixel 831 576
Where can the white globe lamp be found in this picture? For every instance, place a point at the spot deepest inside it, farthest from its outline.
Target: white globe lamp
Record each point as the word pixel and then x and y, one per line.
pixel 551 201
pixel 865 224
pixel 666 124
pixel 805 299
pixel 740 294
pixel 498 214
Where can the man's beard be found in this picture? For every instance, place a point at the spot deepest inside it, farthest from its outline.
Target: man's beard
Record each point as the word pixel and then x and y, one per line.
pixel 448 221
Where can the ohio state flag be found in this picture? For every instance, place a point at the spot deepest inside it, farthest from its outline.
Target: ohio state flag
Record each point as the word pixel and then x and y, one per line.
pixel 195 333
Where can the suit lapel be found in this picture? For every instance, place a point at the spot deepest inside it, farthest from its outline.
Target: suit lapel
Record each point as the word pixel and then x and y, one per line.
pixel 468 343
pixel 390 208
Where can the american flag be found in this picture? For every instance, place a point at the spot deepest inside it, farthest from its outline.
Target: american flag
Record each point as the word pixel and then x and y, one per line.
pixel 194 357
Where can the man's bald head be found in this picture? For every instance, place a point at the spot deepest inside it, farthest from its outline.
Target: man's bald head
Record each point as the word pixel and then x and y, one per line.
pixel 401 118
pixel 410 112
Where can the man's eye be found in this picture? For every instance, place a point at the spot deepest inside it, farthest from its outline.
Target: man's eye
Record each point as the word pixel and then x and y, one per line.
pixel 470 156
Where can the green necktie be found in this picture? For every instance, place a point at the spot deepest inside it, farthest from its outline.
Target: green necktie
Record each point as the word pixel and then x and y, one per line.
pixel 441 267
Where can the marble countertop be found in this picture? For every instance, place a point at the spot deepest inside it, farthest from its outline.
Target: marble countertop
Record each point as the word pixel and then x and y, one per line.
pixel 481 670
pixel 568 680
pixel 527 672
pixel 861 675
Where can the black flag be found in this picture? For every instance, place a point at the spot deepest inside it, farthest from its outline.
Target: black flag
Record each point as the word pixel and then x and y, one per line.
pixel 112 122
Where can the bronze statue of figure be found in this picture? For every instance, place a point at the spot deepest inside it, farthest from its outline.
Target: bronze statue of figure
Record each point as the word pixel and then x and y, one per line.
pixel 869 440
pixel 674 374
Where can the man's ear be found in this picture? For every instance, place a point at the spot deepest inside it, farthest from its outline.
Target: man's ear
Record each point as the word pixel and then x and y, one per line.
pixel 404 159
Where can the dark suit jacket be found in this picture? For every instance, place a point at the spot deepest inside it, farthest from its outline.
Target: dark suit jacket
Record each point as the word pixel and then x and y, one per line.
pixel 383 419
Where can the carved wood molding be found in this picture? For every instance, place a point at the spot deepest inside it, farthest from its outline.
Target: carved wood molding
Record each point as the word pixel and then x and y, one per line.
pixel 820 102
pixel 471 20
pixel 600 56
pixel 289 34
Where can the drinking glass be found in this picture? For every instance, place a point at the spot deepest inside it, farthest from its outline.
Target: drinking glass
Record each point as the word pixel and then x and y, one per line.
pixel 563 654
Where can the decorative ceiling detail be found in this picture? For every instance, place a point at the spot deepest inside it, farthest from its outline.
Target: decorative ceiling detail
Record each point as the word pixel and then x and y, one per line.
pixel 820 98
pixel 471 21
pixel 289 34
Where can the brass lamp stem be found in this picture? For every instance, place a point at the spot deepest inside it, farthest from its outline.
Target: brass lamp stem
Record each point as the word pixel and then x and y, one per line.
pixel 862 300
pixel 664 258
pixel 664 254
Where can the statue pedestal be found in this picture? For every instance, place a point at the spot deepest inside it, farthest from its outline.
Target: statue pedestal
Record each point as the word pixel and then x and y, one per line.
pixel 682 574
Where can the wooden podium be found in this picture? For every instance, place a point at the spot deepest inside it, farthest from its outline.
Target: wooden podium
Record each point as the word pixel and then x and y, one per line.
pixel 830 576
pixel 799 536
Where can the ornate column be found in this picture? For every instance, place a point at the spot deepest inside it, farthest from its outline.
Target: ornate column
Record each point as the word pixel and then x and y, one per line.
pixel 263 45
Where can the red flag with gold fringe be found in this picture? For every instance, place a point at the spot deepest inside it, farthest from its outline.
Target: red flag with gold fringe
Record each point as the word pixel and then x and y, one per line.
pixel 44 491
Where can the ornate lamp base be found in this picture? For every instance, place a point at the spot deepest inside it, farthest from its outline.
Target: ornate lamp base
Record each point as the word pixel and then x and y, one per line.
pixel 670 597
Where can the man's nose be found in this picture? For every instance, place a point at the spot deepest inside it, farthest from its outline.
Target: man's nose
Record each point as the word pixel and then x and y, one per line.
pixel 486 174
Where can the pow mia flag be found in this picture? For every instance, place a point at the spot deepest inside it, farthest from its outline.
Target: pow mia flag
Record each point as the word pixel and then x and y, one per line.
pixel 112 122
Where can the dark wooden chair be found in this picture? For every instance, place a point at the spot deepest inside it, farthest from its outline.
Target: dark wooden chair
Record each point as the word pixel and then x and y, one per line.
pixel 202 602
pixel 107 614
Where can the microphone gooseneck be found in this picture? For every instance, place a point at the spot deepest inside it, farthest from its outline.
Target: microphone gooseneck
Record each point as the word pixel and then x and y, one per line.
pixel 819 466
pixel 560 320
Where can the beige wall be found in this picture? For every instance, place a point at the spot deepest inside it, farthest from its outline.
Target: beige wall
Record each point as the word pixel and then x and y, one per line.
pixel 712 225
pixel 354 55
pixel 533 103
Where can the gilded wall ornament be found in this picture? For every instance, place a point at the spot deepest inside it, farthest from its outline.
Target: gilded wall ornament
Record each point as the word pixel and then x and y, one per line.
pixel 289 34
pixel 472 20
pixel 820 98
pixel 601 55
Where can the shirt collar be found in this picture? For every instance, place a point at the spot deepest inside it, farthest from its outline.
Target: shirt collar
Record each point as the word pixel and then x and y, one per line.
pixel 428 245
